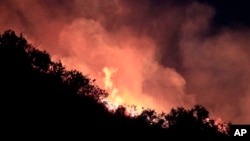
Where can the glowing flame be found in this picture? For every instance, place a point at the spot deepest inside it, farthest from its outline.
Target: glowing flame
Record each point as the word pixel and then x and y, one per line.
pixel 107 80
pixel 222 126
pixel 114 100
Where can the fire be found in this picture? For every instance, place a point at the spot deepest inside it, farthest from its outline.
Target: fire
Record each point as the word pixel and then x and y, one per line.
pixel 222 126
pixel 107 80
pixel 147 84
pixel 114 100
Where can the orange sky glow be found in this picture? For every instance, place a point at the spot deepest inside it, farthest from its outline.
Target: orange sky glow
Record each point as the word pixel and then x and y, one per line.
pixel 156 57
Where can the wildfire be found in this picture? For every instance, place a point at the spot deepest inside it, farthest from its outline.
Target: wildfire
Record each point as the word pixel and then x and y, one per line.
pixel 116 99
pixel 108 84
pixel 222 126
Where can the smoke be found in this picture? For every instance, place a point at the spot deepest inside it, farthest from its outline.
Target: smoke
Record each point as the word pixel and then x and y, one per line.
pixel 164 52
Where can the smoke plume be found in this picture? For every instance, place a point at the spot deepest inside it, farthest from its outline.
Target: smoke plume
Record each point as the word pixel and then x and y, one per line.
pixel 164 52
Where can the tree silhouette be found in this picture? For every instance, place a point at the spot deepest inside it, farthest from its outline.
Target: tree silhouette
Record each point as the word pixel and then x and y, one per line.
pixel 44 97
pixel 194 123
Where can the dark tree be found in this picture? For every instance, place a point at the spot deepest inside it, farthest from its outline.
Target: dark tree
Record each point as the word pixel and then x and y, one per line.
pixel 40 97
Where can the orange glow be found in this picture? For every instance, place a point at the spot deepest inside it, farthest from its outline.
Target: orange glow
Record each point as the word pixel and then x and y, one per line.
pixel 123 64
pixel 107 80
pixel 114 100
pixel 88 35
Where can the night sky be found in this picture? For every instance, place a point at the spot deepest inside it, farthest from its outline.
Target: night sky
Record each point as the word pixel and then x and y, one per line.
pixel 158 53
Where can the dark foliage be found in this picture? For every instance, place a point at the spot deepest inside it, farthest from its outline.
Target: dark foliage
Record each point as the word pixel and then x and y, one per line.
pixel 39 98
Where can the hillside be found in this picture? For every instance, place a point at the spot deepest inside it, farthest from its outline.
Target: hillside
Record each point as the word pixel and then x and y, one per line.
pixel 40 97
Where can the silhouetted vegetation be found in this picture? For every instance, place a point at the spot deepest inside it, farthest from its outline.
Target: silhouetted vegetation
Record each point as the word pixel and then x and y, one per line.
pixel 41 97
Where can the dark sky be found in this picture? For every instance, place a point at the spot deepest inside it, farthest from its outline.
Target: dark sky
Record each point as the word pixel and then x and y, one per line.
pixel 230 12
pixel 166 53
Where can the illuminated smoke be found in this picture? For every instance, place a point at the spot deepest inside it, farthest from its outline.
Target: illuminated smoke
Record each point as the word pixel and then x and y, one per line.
pixel 163 51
